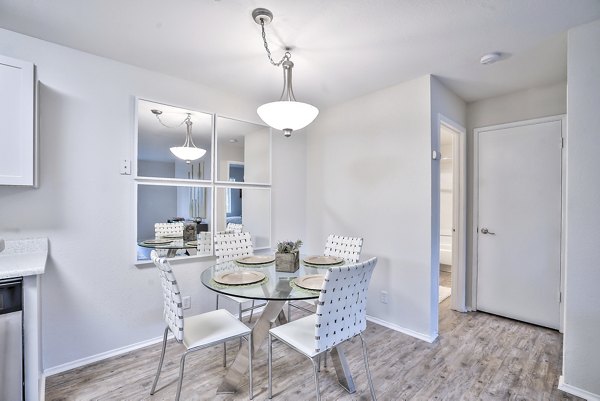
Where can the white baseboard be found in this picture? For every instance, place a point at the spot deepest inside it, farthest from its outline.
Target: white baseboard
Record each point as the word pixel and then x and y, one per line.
pixel 119 351
pixel 98 357
pixel 42 387
pixel 567 388
pixel 412 333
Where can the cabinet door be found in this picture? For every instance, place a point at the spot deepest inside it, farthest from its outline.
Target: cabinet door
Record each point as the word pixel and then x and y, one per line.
pixel 17 131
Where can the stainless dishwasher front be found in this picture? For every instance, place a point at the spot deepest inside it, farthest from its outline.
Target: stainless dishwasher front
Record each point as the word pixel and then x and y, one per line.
pixel 11 339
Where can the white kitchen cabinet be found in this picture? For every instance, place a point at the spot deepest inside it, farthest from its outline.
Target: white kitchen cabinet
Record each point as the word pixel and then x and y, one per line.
pixel 18 141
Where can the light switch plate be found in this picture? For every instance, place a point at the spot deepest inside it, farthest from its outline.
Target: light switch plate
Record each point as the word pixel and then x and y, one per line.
pixel 125 167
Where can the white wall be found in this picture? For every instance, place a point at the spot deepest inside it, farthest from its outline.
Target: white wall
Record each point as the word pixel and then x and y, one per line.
pixel 581 363
pixel 93 298
pixel 369 175
pixel 544 101
pixel 289 201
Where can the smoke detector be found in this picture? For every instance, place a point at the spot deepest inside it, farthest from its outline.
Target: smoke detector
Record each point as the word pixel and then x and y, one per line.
pixel 490 58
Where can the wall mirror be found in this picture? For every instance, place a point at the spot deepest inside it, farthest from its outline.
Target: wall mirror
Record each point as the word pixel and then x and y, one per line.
pixel 160 204
pixel 250 207
pixel 164 149
pixel 243 151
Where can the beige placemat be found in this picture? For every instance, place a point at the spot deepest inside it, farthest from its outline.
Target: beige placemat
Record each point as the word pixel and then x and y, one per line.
pixel 213 283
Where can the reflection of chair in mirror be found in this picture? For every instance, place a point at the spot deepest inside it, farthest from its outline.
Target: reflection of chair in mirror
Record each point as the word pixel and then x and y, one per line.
pixel 347 248
pixel 234 228
pixel 168 230
pixel 341 315
pixel 205 243
pixel 194 332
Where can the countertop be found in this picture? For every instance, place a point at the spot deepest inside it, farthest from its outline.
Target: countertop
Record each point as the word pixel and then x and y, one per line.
pixel 23 257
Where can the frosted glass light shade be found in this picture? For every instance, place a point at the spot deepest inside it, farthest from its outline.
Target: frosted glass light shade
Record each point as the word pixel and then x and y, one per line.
pixel 286 114
pixel 187 152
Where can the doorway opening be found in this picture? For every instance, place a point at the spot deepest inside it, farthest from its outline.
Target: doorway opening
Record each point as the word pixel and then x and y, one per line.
pixel 233 198
pixel 448 163
pixel 450 275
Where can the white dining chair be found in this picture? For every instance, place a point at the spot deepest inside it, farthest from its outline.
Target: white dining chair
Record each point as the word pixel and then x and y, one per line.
pixel 341 315
pixel 228 247
pixel 347 248
pixel 198 331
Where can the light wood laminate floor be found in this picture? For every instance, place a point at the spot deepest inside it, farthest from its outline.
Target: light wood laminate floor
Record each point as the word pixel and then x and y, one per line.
pixel 476 357
pixel 445 279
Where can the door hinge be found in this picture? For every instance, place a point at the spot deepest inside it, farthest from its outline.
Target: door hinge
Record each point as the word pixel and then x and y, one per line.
pixel 562 142
pixel 560 297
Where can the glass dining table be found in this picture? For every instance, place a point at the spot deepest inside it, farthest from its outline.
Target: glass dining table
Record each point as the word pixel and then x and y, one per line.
pixel 171 245
pixel 276 288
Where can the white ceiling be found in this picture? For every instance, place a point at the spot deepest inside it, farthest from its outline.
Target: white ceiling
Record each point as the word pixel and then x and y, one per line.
pixel 342 48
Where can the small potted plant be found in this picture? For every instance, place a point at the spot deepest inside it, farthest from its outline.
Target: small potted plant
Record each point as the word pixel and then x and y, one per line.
pixel 287 257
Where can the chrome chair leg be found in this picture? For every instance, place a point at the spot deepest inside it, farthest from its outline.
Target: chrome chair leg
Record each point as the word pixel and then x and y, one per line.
pixel 325 359
pixel 224 344
pixel 289 311
pixel 251 311
pixel 270 363
pixel 316 371
pixel 240 319
pixel 319 362
pixel 366 358
pixel 162 358
pixel 181 368
pixel 250 383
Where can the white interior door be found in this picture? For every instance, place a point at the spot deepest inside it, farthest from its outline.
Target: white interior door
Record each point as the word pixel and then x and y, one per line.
pixel 519 222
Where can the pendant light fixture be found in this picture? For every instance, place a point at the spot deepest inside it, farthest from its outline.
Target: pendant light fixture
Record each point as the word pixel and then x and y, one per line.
pixel 287 114
pixel 188 151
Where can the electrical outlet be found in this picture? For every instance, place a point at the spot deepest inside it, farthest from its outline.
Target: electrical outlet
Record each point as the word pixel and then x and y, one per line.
pixel 383 297
pixel 187 302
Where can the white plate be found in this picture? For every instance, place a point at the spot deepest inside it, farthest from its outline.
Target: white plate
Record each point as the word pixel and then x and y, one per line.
pixel 256 259
pixel 310 282
pixel 172 235
pixel 323 260
pixel 157 241
pixel 239 278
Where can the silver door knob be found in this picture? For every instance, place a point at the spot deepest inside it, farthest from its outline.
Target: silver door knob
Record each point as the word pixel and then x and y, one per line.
pixel 486 231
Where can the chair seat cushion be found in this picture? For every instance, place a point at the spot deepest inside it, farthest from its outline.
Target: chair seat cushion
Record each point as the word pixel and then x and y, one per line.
pixel 300 334
pixel 211 327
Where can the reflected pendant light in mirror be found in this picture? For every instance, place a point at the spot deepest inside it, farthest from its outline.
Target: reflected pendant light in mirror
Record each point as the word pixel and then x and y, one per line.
pixel 287 114
pixel 188 151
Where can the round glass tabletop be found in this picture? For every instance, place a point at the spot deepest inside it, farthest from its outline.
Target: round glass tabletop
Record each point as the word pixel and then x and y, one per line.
pixel 276 285
pixel 168 243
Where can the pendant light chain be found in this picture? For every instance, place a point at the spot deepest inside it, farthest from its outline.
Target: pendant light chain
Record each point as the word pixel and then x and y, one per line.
pixel 286 114
pixel 285 57
pixel 188 118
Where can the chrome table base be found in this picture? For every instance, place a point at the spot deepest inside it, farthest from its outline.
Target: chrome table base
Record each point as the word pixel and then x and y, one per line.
pixel 274 311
